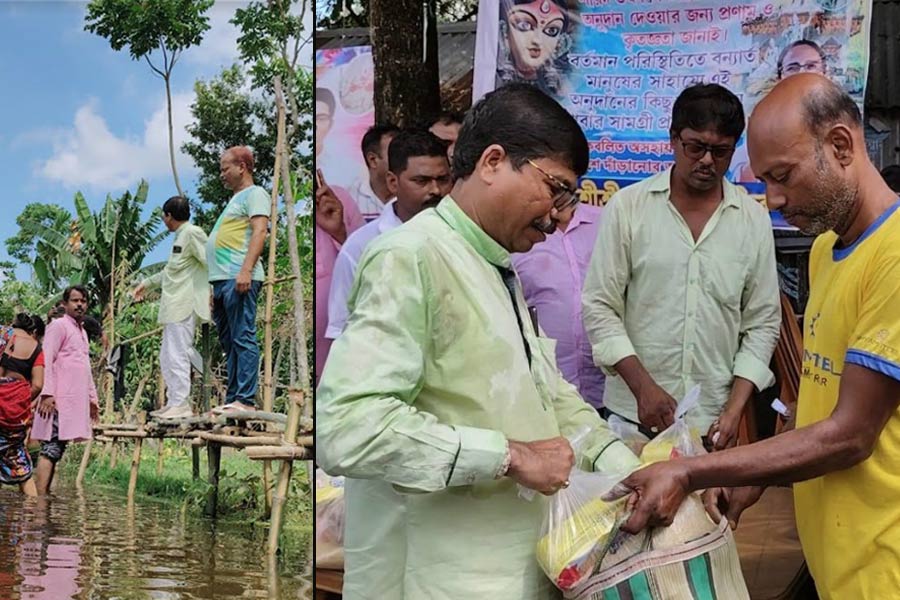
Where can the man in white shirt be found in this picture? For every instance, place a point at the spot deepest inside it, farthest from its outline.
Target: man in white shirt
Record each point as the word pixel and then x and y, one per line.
pixel 419 177
pixel 183 304
pixel 370 192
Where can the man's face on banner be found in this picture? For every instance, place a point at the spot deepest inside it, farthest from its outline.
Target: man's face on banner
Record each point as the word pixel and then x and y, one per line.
pixel 324 120
pixel 534 33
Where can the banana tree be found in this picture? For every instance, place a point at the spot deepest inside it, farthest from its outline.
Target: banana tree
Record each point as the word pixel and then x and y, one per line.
pixel 112 242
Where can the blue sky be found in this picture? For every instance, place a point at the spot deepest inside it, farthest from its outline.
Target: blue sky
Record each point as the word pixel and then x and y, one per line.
pixel 78 116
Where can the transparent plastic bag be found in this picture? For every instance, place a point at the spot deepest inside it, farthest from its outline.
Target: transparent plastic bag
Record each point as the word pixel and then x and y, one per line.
pixel 578 525
pixel 680 438
pixel 329 521
pixel 658 557
pixel 629 433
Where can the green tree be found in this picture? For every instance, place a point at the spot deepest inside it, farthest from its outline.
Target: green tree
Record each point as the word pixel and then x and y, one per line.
pixel 336 14
pixel 20 296
pixel 28 248
pixel 104 247
pixel 167 26
pixel 226 114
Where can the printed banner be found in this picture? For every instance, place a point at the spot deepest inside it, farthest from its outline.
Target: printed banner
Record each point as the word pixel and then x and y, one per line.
pixel 618 65
pixel 345 79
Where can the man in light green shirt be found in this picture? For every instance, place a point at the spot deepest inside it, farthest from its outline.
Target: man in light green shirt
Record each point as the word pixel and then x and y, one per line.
pixel 184 302
pixel 682 288
pixel 442 394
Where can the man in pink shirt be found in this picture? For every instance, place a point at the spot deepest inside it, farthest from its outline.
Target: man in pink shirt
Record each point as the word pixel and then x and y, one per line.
pixel 336 218
pixel 68 402
pixel 552 275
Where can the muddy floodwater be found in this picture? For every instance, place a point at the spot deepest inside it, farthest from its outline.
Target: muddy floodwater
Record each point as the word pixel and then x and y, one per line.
pixel 94 545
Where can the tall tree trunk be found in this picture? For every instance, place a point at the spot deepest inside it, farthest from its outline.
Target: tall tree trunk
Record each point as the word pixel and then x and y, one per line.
pixel 171 135
pixel 407 79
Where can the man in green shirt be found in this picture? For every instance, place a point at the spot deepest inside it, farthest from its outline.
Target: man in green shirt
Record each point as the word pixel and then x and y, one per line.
pixel 184 302
pixel 442 394
pixel 682 288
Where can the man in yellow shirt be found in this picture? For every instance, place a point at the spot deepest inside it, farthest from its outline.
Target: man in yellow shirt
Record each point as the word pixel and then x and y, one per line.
pixel 807 144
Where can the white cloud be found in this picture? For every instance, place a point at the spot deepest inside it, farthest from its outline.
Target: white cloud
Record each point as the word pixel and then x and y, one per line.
pixel 219 45
pixel 90 156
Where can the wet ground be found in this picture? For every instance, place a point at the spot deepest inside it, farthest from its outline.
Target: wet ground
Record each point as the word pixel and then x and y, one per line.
pixel 96 546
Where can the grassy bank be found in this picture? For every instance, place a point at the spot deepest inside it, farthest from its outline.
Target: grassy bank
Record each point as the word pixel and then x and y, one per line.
pixel 240 486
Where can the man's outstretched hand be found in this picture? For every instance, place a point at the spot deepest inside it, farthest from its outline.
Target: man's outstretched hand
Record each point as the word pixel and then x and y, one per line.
pixel 657 492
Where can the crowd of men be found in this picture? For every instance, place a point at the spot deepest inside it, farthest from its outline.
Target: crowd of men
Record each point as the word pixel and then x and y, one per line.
pixel 46 384
pixel 467 337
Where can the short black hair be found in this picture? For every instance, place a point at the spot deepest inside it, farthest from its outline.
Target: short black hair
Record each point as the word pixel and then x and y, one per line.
pixel 448 117
pixel 178 208
pixel 325 95
pixel 828 105
pixel 33 324
pixel 891 176
pixel 409 143
pixel 790 47
pixel 75 288
pixel 92 328
pixel 708 106
pixel 371 141
pixel 527 123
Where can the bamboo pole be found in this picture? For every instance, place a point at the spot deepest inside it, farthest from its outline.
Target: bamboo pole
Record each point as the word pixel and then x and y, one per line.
pixel 126 434
pixel 252 415
pixel 159 457
pixel 114 454
pixel 84 463
pixel 135 464
pixel 268 375
pixel 295 400
pixel 237 441
pixel 213 459
pixel 283 452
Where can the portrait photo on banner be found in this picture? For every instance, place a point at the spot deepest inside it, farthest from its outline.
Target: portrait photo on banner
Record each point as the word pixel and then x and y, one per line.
pixel 619 66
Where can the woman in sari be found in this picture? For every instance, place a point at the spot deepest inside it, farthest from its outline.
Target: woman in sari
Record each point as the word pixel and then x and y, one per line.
pixel 21 380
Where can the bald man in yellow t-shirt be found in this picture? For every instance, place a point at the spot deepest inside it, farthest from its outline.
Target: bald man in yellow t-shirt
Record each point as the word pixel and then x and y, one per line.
pixel 807 144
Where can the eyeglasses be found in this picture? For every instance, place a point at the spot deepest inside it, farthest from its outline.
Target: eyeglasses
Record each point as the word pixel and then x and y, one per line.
pixel 697 150
pixel 813 66
pixel 563 196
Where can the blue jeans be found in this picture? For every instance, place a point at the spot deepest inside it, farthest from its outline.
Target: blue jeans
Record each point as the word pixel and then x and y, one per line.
pixel 235 318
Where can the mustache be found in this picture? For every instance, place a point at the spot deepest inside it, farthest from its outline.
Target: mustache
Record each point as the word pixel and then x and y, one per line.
pixel 548 226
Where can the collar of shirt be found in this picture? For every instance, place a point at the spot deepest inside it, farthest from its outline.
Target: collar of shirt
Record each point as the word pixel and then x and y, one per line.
pixel 484 244
pixel 584 214
pixel 73 321
pixel 662 182
pixel 388 218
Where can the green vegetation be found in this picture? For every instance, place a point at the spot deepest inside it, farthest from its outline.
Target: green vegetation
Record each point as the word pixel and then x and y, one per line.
pixel 240 486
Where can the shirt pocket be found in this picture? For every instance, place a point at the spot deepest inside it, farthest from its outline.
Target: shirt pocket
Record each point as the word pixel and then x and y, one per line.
pixel 544 370
pixel 724 278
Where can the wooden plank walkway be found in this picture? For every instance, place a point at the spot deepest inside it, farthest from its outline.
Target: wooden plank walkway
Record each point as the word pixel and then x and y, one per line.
pixel 263 435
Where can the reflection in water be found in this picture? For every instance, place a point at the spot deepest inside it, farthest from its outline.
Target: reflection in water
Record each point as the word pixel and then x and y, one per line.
pixel 94 545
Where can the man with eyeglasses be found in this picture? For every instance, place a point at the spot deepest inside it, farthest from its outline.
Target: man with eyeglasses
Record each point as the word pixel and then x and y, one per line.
pixel 552 275
pixel 441 394
pixel 682 287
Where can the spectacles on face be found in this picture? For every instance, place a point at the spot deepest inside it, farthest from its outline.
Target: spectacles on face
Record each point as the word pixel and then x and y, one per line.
pixel 563 196
pixel 813 66
pixel 697 150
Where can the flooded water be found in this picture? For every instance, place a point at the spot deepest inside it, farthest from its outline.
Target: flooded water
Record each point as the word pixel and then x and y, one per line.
pixel 94 545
